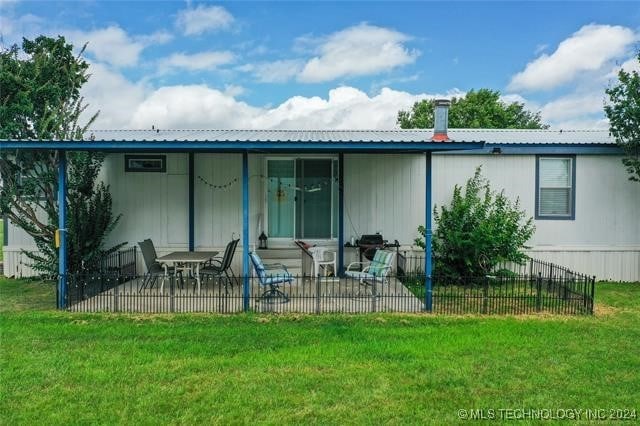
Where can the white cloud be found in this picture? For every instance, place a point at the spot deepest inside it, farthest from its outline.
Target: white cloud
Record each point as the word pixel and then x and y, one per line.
pixel 114 46
pixel 573 106
pixel 192 106
pixel 593 123
pixel 345 108
pixel 276 71
pixel 111 45
pixel 200 106
pixel 159 37
pixel 360 50
pixel 13 28
pixel 588 49
pixel 630 65
pixel 234 90
pixel 197 61
pixel 116 97
pixel 203 19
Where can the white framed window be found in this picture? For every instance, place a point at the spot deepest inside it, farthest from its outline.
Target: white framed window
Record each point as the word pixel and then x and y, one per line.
pixel 555 187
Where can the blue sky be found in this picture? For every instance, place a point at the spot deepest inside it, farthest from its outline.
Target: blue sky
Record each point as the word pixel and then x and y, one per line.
pixel 333 64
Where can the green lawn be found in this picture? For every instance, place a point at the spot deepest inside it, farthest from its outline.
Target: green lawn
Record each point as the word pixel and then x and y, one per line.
pixel 63 368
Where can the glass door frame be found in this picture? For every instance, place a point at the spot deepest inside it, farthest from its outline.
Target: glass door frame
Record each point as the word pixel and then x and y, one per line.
pixel 265 204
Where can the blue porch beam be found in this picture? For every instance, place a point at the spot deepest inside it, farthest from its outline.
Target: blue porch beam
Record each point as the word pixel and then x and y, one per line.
pixel 62 229
pixel 192 243
pixel 245 231
pixel 340 271
pixel 428 294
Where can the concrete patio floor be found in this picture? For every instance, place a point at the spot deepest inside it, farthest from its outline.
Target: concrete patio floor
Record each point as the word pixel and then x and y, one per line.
pixel 305 295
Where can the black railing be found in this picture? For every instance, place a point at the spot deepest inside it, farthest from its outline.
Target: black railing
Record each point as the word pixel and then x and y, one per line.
pixel 123 262
pixel 113 270
pixel 515 292
pixel 509 288
pixel 300 295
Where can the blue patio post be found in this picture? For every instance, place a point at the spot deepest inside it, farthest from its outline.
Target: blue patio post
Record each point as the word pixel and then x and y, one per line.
pixel 340 271
pixel 245 231
pixel 428 297
pixel 62 229
pixel 191 204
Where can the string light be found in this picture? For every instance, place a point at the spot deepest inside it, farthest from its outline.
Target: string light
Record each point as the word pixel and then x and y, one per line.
pixel 318 186
pixel 224 187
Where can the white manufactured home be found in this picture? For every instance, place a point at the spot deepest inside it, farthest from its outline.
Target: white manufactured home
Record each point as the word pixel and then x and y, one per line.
pixel 184 189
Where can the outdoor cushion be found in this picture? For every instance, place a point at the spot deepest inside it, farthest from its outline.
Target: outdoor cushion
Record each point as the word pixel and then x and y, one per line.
pixel 257 262
pixel 362 275
pixel 276 276
pixel 380 263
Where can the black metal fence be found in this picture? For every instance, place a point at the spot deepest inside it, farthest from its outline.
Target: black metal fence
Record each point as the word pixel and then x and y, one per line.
pixel 123 262
pixel 114 269
pixel 531 288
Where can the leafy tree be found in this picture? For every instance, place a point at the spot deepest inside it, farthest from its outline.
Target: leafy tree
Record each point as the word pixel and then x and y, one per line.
pixel 478 230
pixel 623 112
pixel 40 99
pixel 478 109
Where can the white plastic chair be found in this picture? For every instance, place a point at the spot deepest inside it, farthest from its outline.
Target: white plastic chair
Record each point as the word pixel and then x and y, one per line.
pixel 320 259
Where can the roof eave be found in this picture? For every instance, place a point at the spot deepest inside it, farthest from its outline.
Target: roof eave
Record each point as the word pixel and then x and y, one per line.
pixel 240 146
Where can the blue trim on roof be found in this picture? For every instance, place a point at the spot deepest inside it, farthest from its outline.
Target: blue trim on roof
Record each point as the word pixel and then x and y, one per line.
pixel 215 146
pixel 541 149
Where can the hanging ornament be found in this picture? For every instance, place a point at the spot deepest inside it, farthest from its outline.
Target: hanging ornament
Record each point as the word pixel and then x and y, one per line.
pixel 281 195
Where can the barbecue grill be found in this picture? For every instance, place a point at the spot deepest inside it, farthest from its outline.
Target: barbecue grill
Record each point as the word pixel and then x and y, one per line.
pixel 368 244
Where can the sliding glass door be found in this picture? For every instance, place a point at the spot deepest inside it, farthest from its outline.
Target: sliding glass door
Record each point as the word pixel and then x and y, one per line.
pixel 281 196
pixel 313 201
pixel 301 198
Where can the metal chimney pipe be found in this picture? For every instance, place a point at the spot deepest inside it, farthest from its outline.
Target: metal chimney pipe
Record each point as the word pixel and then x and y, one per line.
pixel 441 120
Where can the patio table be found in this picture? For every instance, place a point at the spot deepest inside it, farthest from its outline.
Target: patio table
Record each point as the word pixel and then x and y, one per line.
pixel 189 260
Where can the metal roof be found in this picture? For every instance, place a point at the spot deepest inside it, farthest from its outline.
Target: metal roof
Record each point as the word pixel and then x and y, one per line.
pixel 532 136
pixel 489 136
pixel 268 136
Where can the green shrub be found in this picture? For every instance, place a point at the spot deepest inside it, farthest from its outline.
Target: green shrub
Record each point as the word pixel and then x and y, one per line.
pixel 478 230
pixel 505 273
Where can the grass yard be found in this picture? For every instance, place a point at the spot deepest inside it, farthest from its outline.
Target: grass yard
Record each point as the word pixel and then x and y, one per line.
pixel 63 368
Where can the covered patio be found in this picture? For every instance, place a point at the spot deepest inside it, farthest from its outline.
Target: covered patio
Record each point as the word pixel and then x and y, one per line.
pixel 303 295
pixel 345 295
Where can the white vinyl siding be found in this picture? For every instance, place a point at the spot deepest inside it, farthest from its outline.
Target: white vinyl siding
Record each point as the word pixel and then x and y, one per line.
pixel 555 187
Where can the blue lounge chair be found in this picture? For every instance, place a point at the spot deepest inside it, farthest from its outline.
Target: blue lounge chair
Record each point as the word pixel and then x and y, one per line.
pixel 376 271
pixel 271 277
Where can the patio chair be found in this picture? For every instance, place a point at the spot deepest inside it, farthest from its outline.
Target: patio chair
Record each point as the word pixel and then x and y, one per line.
pixel 376 271
pixel 271 278
pixel 155 269
pixel 321 260
pixel 216 268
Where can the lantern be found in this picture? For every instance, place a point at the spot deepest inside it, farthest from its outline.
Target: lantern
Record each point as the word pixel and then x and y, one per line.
pixel 263 241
